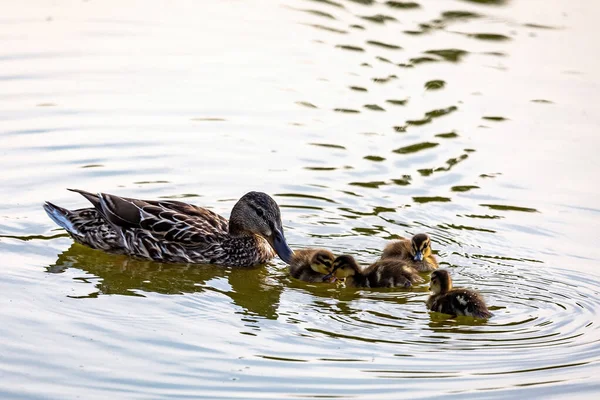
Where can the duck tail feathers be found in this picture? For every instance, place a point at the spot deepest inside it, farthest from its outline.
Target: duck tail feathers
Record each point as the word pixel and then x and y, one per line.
pixel 91 197
pixel 61 217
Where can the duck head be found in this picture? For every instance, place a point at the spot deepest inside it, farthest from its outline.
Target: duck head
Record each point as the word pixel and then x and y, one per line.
pixel 420 246
pixel 256 213
pixel 441 282
pixel 322 262
pixel 343 267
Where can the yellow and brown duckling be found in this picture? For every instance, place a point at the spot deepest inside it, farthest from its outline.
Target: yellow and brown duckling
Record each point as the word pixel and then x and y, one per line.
pixel 415 253
pixel 386 273
pixel 172 231
pixel 312 265
pixel 455 302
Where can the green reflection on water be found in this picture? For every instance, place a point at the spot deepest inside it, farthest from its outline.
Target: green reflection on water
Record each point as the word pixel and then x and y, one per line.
pixel 413 148
pixel 250 289
pixel 509 208
pixel 406 5
pixel 452 55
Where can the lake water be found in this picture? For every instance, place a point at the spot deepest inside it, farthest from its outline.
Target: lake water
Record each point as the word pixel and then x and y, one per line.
pixel 474 121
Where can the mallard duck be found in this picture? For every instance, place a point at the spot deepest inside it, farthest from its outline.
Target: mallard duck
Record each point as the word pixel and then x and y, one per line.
pixel 172 231
pixel 415 252
pixel 455 302
pixel 311 265
pixel 388 273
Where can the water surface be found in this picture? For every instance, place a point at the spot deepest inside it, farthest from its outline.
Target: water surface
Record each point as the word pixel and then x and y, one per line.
pixel 473 121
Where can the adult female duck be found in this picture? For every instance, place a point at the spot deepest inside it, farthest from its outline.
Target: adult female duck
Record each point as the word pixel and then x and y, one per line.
pixel 172 231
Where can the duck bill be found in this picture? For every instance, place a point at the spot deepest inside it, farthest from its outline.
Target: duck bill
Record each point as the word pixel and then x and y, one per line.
pixel 418 256
pixel 280 246
pixel 329 276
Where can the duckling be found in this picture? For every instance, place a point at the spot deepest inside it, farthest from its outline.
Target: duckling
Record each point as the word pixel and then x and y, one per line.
pixel 172 231
pixel 415 253
pixel 455 302
pixel 386 273
pixel 312 265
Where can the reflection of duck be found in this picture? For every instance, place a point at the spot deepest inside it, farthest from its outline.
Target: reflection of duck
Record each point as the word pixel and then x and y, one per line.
pixel 172 231
pixel 415 252
pixel 455 302
pixel 380 274
pixel 311 265
pixel 128 276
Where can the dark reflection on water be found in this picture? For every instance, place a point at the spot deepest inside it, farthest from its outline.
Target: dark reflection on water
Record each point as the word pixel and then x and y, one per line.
pixel 250 289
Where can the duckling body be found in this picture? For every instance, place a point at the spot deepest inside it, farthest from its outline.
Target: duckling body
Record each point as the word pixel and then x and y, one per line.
pixel 455 302
pixel 414 252
pixel 311 265
pixel 386 273
pixel 172 231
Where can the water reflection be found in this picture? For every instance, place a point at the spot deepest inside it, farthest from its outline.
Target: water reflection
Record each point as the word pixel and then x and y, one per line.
pixel 252 289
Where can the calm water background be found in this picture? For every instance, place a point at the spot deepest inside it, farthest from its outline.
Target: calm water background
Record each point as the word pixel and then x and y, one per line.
pixel 474 121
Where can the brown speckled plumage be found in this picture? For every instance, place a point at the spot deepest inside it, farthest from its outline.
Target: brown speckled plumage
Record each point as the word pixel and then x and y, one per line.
pixel 172 231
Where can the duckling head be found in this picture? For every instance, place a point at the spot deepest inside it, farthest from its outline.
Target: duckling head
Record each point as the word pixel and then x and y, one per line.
pixel 344 266
pixel 257 213
pixel 420 246
pixel 441 282
pixel 322 262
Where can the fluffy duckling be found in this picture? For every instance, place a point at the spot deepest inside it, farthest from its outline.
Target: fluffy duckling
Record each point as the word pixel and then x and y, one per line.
pixel 455 302
pixel 387 273
pixel 312 265
pixel 415 253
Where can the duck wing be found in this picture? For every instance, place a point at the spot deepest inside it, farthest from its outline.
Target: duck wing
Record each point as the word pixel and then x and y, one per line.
pixel 172 221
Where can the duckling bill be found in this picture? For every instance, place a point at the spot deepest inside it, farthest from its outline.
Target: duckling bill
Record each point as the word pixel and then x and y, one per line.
pixel 312 265
pixel 447 300
pixel 172 231
pixel 415 253
pixel 380 274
